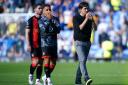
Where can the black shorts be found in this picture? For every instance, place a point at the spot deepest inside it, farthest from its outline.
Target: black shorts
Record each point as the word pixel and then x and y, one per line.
pixel 50 51
pixel 36 52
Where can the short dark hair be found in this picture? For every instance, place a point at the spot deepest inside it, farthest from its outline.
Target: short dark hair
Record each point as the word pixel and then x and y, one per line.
pixel 83 4
pixel 46 5
pixel 39 4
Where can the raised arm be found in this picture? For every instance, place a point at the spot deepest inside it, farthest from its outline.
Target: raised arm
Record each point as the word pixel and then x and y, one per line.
pixel 88 16
pixel 56 23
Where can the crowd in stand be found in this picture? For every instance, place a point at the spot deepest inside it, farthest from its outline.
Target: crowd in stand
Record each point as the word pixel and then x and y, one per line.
pixel 110 41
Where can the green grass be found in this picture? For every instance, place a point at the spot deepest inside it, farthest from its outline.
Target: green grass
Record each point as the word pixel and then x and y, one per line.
pixel 107 73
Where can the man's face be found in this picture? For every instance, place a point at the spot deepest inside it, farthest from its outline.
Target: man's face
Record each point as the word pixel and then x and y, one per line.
pixel 38 10
pixel 47 11
pixel 84 10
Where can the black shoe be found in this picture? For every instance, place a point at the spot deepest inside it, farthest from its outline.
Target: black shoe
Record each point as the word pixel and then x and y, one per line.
pixel 88 82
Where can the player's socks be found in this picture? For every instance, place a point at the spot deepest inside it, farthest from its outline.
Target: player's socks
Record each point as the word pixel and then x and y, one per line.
pixel 39 72
pixel 32 69
pixel 46 69
pixel 30 78
pixel 51 68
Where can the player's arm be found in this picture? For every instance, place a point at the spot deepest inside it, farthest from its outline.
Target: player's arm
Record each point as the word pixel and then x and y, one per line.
pixel 56 24
pixel 88 16
pixel 27 34
pixel 81 26
pixel 28 39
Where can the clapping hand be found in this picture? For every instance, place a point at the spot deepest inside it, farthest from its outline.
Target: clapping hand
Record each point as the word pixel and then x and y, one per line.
pixel 88 15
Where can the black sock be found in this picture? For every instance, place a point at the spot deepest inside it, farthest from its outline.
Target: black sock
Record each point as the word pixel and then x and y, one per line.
pixel 47 72
pixel 39 72
pixel 32 69
pixel 50 70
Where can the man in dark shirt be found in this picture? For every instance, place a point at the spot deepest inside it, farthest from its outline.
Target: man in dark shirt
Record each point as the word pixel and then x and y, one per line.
pixel 49 28
pixel 83 24
pixel 33 45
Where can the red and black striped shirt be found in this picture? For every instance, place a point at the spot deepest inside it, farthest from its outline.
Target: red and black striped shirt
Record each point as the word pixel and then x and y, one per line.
pixel 34 35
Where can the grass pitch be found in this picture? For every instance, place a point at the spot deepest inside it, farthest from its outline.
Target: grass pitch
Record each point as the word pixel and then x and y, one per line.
pixel 105 73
